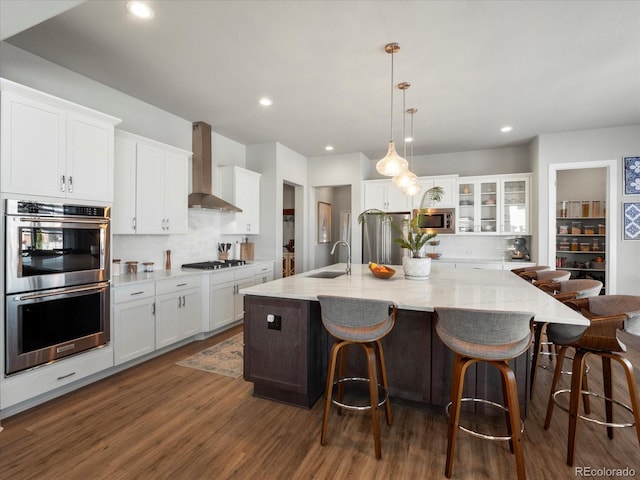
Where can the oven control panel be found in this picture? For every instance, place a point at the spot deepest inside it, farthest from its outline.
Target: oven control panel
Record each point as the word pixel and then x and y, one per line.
pixel 22 207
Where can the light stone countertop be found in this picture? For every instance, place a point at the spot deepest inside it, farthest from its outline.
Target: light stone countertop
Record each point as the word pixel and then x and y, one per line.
pixel 446 286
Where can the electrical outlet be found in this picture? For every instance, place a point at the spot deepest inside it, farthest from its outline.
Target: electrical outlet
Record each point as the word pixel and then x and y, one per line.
pixel 274 322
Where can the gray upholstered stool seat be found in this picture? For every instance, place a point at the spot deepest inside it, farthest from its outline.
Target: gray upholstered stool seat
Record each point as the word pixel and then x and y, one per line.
pixel 546 276
pixel 564 290
pixel 534 268
pixel 608 314
pixel 488 336
pixel 362 322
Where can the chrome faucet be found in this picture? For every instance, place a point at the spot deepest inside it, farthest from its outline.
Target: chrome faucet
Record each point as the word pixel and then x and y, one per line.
pixel 348 253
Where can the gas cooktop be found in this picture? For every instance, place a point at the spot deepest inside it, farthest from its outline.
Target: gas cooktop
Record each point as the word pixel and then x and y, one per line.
pixel 214 264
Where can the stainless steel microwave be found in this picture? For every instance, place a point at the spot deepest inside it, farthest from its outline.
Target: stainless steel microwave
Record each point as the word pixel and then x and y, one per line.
pixel 436 220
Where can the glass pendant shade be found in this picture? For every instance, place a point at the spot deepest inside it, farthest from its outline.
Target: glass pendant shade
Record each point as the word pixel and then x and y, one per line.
pixel 392 163
pixel 411 190
pixel 405 178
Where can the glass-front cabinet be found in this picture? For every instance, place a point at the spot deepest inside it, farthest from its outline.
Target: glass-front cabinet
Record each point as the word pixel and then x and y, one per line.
pixel 478 200
pixel 494 205
pixel 515 205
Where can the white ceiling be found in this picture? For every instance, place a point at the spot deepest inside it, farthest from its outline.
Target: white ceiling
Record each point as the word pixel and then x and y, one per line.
pixel 541 66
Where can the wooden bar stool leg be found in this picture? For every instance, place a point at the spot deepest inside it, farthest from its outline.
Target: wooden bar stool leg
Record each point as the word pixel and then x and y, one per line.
pixel 633 391
pixel 537 348
pixel 507 413
pixel 457 383
pixel 383 374
pixel 608 392
pixel 574 403
pixel 328 392
pixel 509 380
pixel 373 395
pixel 342 367
pixel 554 383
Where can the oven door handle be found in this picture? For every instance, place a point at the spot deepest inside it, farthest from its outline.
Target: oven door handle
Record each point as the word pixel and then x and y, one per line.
pixel 94 221
pixel 65 291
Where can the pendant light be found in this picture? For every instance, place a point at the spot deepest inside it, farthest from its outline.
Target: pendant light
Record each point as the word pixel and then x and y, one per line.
pixel 392 163
pixel 414 188
pixel 405 177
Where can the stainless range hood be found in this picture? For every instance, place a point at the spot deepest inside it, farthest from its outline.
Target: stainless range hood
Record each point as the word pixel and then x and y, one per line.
pixel 202 196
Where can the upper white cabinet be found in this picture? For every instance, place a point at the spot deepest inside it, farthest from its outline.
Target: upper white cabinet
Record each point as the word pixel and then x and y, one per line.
pixel 384 195
pixel 151 186
pixel 448 183
pixel 516 204
pixel 494 205
pixel 241 187
pixel 55 148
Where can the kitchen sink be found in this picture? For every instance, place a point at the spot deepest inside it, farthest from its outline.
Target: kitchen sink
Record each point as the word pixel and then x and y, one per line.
pixel 327 274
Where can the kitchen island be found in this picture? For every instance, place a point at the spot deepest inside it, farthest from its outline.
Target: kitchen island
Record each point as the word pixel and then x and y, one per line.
pixel 286 346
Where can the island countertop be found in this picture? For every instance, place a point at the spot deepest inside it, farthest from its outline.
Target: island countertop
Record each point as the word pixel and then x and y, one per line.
pixel 446 287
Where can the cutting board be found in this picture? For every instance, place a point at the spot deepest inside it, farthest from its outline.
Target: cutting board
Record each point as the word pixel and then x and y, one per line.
pixel 246 251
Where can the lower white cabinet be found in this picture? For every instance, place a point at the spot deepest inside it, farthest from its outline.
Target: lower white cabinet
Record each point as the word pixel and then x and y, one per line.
pixel 178 307
pixel 30 384
pixel 151 315
pixel 263 273
pixel 134 322
pixel 226 305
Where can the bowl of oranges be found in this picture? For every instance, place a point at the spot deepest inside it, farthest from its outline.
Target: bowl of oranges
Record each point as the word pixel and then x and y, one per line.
pixel 381 271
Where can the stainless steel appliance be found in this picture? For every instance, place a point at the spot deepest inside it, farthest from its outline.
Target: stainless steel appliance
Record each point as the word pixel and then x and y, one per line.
pixel 47 325
pixel 378 238
pixel 520 251
pixel 436 220
pixel 214 264
pixel 52 245
pixel 57 281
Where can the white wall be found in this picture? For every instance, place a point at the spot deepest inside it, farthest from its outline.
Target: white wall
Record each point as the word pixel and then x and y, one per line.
pixel 477 162
pixel 591 146
pixel 137 116
pixel 341 170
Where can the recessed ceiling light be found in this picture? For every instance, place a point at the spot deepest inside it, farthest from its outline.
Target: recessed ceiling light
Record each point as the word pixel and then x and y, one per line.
pixel 265 102
pixel 506 128
pixel 140 10
pixel 408 139
pixel 328 148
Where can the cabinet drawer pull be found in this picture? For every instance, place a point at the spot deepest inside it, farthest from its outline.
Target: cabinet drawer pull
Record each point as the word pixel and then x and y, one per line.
pixel 137 293
pixel 66 376
pixel 181 285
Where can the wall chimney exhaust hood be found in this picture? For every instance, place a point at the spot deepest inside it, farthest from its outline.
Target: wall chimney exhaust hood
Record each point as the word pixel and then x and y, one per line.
pixel 202 196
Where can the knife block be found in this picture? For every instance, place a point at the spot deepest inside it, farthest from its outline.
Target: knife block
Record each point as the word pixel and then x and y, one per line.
pixel 246 251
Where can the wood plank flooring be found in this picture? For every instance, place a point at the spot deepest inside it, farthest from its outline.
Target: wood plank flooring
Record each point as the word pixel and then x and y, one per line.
pixel 159 420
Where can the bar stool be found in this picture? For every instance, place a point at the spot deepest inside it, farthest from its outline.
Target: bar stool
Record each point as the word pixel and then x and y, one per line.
pixel 535 268
pixel 608 314
pixel 488 336
pixel 563 291
pixel 362 322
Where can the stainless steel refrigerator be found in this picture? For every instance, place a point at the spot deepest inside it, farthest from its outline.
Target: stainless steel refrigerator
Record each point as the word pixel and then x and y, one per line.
pixel 378 238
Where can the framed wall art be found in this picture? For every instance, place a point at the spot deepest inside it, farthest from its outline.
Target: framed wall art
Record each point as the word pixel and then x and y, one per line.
pixel 631 175
pixel 324 222
pixel 631 220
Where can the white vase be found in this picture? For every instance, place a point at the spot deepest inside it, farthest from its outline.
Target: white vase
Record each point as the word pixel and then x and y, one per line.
pixel 416 268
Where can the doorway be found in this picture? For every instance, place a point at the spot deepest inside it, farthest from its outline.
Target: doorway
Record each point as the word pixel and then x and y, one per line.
pixel 591 186
pixel 288 230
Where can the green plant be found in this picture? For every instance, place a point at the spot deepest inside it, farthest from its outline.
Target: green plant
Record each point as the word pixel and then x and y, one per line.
pixel 411 237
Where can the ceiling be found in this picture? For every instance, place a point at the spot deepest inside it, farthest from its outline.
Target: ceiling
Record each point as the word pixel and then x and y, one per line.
pixel 542 67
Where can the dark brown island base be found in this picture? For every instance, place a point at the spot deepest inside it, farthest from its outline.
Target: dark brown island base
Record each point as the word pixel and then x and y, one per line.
pixel 286 347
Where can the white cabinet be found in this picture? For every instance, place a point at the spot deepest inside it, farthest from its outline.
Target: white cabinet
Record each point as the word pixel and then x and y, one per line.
pixel 226 304
pixel 134 321
pixel 384 195
pixel 516 202
pixel 151 189
pixel 448 183
pixel 30 384
pixel 178 309
pixel 55 148
pixel 478 204
pixel 263 273
pixel 494 204
pixel 241 187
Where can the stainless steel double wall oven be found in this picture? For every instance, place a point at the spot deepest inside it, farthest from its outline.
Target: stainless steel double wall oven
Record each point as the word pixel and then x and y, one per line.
pixel 57 260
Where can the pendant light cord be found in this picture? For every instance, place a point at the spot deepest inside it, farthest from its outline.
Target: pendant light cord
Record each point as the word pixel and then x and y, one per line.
pixel 391 115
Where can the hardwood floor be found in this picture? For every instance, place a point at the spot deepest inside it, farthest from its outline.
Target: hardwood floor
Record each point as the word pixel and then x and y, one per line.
pixel 159 420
